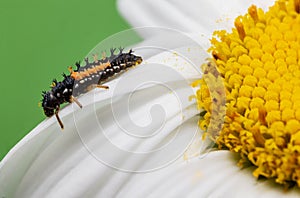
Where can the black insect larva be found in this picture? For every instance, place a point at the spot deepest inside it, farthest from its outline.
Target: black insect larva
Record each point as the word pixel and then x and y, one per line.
pixel 84 78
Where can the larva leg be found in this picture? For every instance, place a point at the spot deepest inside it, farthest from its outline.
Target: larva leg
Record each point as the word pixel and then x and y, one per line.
pixel 58 119
pixel 73 99
pixel 102 87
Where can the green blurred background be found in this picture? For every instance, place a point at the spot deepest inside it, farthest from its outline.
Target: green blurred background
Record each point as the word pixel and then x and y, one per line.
pixel 38 40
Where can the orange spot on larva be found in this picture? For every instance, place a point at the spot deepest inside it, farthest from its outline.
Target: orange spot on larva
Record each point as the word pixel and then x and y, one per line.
pixel 75 75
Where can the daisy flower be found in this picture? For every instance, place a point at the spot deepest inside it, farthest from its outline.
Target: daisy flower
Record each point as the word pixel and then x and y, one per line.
pixel 258 63
pixel 141 137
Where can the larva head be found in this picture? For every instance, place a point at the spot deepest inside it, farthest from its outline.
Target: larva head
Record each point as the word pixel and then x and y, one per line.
pixel 60 93
pixel 49 103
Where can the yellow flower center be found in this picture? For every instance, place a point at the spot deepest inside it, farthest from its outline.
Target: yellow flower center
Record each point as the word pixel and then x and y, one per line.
pixel 258 65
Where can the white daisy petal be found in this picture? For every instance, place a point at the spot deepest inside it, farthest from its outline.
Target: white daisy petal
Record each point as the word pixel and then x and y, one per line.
pixel 215 175
pixel 195 16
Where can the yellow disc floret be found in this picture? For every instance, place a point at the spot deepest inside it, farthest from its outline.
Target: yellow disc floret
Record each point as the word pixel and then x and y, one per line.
pixel 257 66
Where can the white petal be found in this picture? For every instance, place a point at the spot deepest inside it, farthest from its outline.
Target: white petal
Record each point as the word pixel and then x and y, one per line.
pixel 214 175
pixel 194 16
